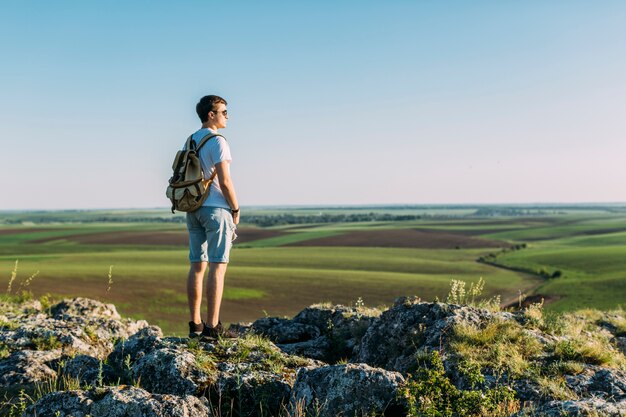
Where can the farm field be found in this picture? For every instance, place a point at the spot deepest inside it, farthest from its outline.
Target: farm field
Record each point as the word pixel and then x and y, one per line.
pixel 281 269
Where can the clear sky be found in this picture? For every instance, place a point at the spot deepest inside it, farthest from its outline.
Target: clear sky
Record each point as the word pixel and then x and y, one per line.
pixel 330 102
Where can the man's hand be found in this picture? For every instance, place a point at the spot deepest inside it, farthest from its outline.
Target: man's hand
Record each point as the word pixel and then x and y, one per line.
pixel 236 217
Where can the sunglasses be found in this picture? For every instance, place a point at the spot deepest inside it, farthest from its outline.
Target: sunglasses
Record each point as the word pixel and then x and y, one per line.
pixel 224 112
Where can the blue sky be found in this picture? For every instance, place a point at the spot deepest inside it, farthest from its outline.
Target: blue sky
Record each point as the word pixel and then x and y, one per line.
pixel 329 102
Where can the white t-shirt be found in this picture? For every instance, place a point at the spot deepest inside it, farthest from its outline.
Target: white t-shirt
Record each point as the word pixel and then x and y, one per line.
pixel 214 151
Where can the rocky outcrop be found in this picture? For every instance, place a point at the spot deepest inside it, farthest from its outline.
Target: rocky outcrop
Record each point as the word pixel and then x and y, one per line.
pixel 89 371
pixel 578 408
pixel 347 390
pixel 119 401
pixel 327 361
pixel 69 339
pixel 326 333
pixel 237 375
pixel 76 326
pixel 392 341
pixel 26 367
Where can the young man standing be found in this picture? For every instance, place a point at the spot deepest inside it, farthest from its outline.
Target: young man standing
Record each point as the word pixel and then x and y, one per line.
pixel 211 227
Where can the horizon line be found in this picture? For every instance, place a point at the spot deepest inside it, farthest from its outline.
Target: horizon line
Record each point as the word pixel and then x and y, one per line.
pixel 339 206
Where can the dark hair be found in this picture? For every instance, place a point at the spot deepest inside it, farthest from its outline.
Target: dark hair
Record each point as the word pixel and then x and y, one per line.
pixel 205 105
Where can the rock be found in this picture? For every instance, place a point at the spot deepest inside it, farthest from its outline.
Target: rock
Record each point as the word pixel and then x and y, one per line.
pixel 574 408
pixel 84 307
pixel 284 331
pixel 327 333
pixel 315 349
pixel 90 371
pixel 251 373
pixel 243 391
pixel 127 351
pixel 28 367
pixel 410 325
pixel 160 365
pixel 122 401
pixel 171 371
pixel 240 328
pixel 620 342
pixel 347 390
pixel 86 341
pixel 82 334
pixel 610 383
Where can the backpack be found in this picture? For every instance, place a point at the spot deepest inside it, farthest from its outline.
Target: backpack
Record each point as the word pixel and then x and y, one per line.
pixel 188 188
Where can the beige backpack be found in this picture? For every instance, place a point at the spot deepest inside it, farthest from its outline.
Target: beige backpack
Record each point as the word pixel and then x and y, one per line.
pixel 188 188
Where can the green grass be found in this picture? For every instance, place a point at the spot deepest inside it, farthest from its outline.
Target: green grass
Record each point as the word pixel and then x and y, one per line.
pixel 589 248
pixel 592 276
pixel 150 284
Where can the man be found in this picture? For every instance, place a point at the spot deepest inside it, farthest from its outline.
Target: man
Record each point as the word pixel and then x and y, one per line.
pixel 211 227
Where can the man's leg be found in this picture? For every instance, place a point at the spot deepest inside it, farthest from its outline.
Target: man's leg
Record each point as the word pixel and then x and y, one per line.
pixel 214 290
pixel 194 289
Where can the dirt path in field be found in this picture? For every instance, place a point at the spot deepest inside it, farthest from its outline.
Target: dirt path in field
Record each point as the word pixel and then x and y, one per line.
pixel 530 299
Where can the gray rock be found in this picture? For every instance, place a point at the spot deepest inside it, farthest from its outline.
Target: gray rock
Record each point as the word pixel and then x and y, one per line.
pixel 123 401
pixel 327 333
pixel 160 365
pixel 315 349
pixel 393 339
pixel 84 334
pixel 252 375
pixel 245 391
pixel 603 383
pixel 285 331
pixel 318 316
pixel 90 371
pixel 610 383
pixel 620 342
pixel 586 407
pixel 127 351
pixel 240 328
pixel 171 371
pixel 84 307
pixel 27 367
pixel 346 390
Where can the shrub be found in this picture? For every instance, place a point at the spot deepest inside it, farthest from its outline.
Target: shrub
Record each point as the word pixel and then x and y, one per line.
pixel 430 393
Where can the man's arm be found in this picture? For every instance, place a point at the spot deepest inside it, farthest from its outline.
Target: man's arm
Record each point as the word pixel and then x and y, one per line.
pixel 227 186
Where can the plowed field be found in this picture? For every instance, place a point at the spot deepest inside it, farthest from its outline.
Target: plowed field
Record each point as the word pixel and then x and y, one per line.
pixel 141 237
pixel 404 238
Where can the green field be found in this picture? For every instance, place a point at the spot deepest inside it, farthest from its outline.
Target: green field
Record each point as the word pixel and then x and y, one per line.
pixel 281 269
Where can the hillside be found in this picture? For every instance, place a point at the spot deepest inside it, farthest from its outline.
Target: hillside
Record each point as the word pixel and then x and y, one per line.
pixel 79 357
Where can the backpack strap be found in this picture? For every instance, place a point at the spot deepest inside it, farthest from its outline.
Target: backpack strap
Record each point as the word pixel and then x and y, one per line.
pixel 202 142
pixel 188 143
pixel 205 140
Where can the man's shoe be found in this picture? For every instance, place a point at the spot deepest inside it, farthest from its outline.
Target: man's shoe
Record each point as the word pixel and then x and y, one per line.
pixel 195 329
pixel 217 332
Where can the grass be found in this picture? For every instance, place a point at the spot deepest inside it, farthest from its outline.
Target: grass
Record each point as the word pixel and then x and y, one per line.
pixel 502 346
pixel 150 284
pixel 591 276
pixel 587 245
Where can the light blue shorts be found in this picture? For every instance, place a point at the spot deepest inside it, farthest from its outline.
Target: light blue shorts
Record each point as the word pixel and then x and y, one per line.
pixel 211 234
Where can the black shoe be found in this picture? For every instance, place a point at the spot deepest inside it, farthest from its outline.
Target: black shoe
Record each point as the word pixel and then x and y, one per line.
pixel 217 332
pixel 195 330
